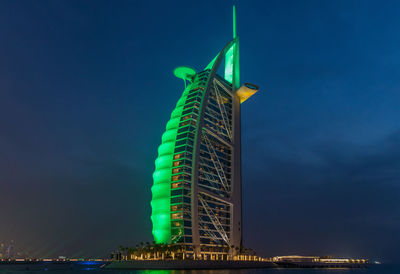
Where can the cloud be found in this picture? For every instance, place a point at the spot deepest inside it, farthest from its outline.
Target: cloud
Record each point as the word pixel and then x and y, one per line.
pixel 343 193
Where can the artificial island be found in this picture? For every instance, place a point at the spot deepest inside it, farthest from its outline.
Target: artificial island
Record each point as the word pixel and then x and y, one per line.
pixel 197 183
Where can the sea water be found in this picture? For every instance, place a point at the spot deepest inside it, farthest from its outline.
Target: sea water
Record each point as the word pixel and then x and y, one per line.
pixel 373 269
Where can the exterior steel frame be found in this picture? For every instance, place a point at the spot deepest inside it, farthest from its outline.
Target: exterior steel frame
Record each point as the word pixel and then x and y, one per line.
pixel 236 188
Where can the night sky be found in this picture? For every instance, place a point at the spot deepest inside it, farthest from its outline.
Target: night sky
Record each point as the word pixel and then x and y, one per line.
pixel 86 89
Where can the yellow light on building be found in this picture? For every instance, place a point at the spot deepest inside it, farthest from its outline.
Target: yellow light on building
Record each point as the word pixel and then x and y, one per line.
pixel 246 91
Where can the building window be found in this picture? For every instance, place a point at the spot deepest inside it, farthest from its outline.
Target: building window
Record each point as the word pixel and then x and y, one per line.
pixel 178 156
pixel 176 185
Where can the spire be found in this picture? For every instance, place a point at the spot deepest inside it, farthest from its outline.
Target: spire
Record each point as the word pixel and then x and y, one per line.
pixel 234 21
pixel 232 57
pixel 236 71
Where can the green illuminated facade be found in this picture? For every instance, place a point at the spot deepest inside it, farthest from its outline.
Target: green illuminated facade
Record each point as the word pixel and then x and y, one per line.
pixel 196 193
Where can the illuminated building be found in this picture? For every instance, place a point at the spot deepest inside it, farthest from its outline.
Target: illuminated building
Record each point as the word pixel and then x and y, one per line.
pixel 197 187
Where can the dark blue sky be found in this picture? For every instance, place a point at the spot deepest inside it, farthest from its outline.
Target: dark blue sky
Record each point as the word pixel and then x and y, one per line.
pixel 86 88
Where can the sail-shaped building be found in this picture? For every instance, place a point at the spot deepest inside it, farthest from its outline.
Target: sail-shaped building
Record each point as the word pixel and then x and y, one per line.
pixel 197 185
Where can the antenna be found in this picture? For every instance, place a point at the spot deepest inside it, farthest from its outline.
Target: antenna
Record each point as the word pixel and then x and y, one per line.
pixel 235 54
pixel 234 21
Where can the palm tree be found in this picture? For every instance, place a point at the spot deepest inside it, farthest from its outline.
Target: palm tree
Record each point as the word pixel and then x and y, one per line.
pixel 131 252
pixel 158 248
pixel 148 250
pixel 237 250
pixel 122 251
pixel 126 253
pixel 163 249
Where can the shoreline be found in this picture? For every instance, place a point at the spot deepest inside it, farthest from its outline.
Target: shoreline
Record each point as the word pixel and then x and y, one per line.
pixel 166 265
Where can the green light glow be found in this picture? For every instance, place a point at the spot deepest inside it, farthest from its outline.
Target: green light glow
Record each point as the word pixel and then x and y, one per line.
pixel 229 64
pixel 234 22
pixel 185 73
pixel 161 189
pixel 232 56
pixel 211 64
